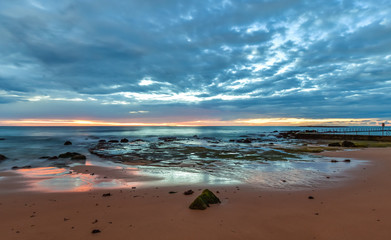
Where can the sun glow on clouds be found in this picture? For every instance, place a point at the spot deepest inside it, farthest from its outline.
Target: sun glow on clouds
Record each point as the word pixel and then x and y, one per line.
pixel 207 122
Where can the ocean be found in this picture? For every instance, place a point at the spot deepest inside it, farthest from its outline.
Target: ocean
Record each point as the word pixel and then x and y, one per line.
pixel 172 155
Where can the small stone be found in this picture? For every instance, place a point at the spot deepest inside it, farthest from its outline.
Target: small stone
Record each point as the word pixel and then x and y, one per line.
pixel 310 197
pixel 171 192
pixel 333 161
pixel 95 231
pixel 347 160
pixel 106 194
pixel 188 192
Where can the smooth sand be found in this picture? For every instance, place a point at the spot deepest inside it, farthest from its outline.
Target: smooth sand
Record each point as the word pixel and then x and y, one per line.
pixel 359 208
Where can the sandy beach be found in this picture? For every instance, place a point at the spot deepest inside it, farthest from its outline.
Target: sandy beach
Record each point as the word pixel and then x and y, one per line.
pixel 356 208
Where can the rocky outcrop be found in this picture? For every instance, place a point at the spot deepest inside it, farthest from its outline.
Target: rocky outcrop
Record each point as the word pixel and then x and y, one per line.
pixel 334 144
pixel 72 155
pixel 2 157
pixel 67 143
pixel 124 140
pixel 348 144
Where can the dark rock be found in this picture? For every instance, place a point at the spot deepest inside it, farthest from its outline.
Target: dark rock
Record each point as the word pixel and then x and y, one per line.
pixel 348 144
pixel 310 197
pixel 68 143
pixel 347 160
pixel 44 157
pixel 79 157
pixel 333 161
pixel 124 140
pixel 95 231
pixel 188 192
pixel 247 140
pixel 202 201
pixel 24 167
pixel 271 143
pixel 171 192
pixel 113 141
pixel 106 194
pixel 2 157
pixel 232 140
pixel 68 154
pixel 2 139
pixel 334 144
pixel 195 136
pixel 53 158
pixel 168 139
pixel 198 204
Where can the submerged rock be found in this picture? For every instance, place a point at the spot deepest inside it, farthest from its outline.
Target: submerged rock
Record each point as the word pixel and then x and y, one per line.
pixel 2 157
pixel 69 155
pixel 68 143
pixel 202 201
pixel 79 157
pixel 124 140
pixel 348 144
pixel 334 144
pixel 113 141
pixel 24 167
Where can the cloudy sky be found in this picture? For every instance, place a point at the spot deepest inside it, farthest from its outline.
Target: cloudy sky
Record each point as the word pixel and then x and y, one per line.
pixel 201 62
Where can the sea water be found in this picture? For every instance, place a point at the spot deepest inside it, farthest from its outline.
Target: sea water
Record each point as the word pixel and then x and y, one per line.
pixel 173 162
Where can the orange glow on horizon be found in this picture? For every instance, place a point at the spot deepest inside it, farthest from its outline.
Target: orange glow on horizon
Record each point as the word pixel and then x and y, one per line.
pixel 211 122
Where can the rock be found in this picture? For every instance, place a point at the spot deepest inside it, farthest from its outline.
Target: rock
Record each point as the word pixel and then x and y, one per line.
pixel 171 192
pixel 106 194
pixel 124 140
pixel 68 143
pixel 2 139
pixel 310 197
pixel 53 158
pixel 202 201
pixel 198 204
pixel 247 140
pixel 334 144
pixel 95 231
pixel 333 161
pixel 195 136
pixel 113 141
pixel 2 157
pixel 188 192
pixel 79 157
pixel 168 139
pixel 348 144
pixel 44 157
pixel 68 154
pixel 24 167
pixel 346 160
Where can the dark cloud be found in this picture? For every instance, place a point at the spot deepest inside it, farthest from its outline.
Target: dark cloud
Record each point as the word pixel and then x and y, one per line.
pixel 230 59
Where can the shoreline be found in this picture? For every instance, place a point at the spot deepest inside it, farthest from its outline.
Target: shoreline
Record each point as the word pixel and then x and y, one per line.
pixel 357 208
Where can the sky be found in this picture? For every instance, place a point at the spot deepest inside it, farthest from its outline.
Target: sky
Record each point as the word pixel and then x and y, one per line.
pixel 209 62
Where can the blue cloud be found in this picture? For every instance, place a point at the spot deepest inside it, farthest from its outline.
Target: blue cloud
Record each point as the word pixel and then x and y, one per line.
pixel 229 58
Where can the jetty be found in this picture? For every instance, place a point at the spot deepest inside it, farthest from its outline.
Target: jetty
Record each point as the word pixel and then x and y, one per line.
pixel 349 133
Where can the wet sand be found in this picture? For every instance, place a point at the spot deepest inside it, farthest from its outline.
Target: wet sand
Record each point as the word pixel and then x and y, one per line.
pixel 358 208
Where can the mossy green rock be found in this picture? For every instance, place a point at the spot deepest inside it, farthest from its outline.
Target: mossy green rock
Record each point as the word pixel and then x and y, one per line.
pixel 199 204
pixel 202 201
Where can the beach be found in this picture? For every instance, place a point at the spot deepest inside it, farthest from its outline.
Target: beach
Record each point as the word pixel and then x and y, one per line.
pixel 352 208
